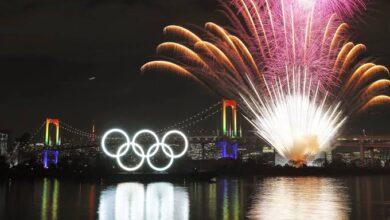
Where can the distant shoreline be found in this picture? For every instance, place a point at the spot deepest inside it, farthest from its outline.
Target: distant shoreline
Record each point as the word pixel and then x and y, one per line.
pixel 194 176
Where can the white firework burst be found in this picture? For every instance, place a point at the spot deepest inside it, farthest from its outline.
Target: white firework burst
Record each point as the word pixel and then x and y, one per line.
pixel 294 119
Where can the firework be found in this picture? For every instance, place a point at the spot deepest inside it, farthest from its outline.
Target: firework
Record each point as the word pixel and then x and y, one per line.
pixel 295 121
pixel 256 61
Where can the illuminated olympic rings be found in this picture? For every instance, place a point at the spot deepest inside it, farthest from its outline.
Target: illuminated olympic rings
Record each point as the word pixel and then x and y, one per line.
pixel 139 151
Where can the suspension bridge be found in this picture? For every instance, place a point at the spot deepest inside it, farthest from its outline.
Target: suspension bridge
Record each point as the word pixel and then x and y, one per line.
pixel 54 139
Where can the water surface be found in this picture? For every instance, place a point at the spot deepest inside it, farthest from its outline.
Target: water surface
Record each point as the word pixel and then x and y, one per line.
pixel 366 197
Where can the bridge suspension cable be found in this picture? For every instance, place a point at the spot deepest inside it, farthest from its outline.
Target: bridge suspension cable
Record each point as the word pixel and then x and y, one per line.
pixel 186 123
pixel 194 119
pixel 199 120
pixel 82 133
pixel 76 131
pixel 36 132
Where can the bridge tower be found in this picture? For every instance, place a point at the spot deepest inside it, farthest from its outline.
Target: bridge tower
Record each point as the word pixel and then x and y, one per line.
pixel 228 142
pixel 93 137
pixel 50 155
pixel 56 123
pixel 232 131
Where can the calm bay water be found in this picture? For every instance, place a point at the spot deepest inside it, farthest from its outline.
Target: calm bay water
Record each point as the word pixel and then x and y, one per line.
pixel 228 198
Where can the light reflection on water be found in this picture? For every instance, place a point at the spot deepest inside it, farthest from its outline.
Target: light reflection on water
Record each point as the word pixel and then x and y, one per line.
pixel 300 198
pixel 365 197
pixel 135 201
pixel 50 200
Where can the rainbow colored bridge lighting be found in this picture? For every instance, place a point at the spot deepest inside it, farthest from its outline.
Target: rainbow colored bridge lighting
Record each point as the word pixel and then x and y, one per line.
pixel 56 123
pixel 228 149
pixel 233 105
pixel 227 145
pixel 46 159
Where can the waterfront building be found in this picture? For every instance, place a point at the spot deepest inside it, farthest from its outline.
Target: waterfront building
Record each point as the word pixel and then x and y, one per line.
pixel 4 139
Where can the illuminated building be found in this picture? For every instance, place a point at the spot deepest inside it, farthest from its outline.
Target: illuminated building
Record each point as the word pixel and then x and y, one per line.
pixel 204 151
pixel 4 138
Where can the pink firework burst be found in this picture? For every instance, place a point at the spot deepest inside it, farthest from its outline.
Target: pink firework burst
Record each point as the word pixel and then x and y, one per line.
pixel 280 61
pixel 293 33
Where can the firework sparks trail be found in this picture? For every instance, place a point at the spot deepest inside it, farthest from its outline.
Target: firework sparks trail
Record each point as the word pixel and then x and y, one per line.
pixel 303 33
pixel 291 120
pixel 248 63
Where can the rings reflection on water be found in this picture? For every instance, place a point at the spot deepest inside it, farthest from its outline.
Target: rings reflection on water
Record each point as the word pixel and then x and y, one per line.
pixel 353 197
pixel 135 201
pixel 301 198
pixel 139 150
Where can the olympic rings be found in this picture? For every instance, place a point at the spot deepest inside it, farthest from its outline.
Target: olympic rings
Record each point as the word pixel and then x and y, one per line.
pixel 139 151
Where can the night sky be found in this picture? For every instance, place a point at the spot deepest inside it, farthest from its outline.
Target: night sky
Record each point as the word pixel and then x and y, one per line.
pixel 50 49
